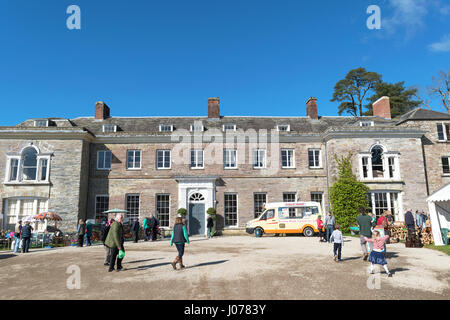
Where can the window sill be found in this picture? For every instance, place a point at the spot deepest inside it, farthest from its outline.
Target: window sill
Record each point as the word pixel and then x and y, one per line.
pixel 193 168
pixel 134 169
pixel 163 168
pixel 230 168
pixel 443 141
pixel 315 168
pixel 27 183
pixel 382 180
pixel 446 175
pixel 287 167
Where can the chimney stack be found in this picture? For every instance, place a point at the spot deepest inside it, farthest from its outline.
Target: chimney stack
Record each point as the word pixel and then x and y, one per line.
pixel 311 108
pixel 213 108
pixel 101 111
pixel 382 108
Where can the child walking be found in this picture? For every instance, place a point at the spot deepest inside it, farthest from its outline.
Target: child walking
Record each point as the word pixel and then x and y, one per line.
pixel 179 237
pixel 377 255
pixel 338 241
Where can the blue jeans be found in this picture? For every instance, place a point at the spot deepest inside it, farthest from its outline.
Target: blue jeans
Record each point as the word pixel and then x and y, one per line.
pixel 180 248
pixel 337 250
pixel 329 230
pixel 16 245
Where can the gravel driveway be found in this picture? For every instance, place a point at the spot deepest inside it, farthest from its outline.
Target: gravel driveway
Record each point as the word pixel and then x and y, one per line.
pixel 233 267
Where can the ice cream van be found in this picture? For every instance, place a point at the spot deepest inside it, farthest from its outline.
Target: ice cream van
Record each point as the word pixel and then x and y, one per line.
pixel 287 217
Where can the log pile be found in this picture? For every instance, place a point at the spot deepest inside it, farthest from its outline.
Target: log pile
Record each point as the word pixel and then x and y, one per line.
pixel 400 233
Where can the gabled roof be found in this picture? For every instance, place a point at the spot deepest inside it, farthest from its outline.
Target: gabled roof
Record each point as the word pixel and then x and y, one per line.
pixel 442 194
pixel 423 114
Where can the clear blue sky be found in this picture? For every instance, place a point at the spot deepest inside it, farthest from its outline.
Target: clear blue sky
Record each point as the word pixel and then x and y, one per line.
pixel 165 58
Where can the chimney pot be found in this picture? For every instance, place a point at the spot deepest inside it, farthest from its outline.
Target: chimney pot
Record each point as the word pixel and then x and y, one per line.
pixel 102 111
pixel 311 108
pixel 214 108
pixel 382 108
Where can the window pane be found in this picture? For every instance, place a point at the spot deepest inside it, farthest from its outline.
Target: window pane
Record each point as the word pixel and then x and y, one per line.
pixel 101 160
pixel 230 204
pixel 446 165
pixel 133 207
pixel 258 200
pixel 440 131
pixel 167 159
pixel 101 205
pixel 163 209
pixel 107 159
pixel 29 164
pixel 13 171
pixel 43 169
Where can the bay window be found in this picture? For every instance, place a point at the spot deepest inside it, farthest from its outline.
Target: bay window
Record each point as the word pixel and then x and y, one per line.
pixel 379 164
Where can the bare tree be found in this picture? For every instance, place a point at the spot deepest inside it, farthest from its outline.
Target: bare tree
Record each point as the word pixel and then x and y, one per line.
pixel 441 88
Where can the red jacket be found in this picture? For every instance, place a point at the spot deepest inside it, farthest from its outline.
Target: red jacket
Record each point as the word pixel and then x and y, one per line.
pixel 319 224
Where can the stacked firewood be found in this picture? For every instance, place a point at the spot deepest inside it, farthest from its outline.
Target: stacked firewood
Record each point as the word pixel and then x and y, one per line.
pixel 400 233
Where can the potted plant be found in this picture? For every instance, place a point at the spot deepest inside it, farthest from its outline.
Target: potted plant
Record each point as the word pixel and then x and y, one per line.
pixel 182 212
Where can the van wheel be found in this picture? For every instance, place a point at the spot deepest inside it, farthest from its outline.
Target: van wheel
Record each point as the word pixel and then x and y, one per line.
pixel 308 232
pixel 259 232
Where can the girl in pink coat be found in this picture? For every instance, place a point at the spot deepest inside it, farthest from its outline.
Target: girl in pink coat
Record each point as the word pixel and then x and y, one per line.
pixel 377 253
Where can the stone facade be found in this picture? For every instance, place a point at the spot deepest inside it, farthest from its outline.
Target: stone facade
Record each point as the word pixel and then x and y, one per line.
pixel 75 182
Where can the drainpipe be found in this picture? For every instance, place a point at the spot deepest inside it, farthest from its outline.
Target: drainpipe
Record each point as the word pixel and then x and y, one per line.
pixel 326 173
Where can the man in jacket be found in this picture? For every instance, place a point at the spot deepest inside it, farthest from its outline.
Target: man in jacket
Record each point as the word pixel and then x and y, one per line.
pixel 89 228
pixel 365 224
pixel 152 224
pixel 17 235
pixel 135 231
pixel 409 221
pixel 329 225
pixel 115 241
pixel 104 233
pixel 26 236
pixel 146 228
pixel 80 232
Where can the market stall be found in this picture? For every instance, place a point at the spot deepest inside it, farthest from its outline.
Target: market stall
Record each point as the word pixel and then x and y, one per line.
pixel 439 206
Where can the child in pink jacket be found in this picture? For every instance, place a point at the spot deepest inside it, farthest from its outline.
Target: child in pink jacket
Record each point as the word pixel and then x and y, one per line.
pixel 377 255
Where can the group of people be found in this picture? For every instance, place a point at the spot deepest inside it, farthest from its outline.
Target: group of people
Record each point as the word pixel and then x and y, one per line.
pixel 84 232
pixel 150 226
pixel 112 236
pixel 22 233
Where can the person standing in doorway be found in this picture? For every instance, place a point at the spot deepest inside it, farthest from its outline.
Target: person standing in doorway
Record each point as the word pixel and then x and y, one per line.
pixel 329 222
pixel 146 227
pixel 135 230
pixel 180 238
pixel 115 241
pixel 26 236
pixel 365 225
pixel 17 235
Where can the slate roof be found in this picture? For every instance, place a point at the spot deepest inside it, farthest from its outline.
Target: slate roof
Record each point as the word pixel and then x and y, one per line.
pixel 423 114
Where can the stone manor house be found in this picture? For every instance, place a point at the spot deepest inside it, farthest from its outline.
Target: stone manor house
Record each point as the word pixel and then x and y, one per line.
pixel 81 167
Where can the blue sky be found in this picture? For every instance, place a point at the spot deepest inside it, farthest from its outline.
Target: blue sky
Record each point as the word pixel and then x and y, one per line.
pixel 165 58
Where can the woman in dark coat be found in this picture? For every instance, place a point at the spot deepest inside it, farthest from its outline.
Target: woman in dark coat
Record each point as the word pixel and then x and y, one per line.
pixel 179 237
pixel 80 232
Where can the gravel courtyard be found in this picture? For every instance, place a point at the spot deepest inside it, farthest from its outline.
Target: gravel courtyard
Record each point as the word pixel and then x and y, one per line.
pixel 234 267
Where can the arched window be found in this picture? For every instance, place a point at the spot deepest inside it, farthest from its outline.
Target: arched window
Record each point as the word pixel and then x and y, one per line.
pixel 29 160
pixel 377 161
pixel 30 165
pixel 196 197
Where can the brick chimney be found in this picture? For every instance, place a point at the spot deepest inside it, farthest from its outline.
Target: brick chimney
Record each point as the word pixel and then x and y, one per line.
pixel 213 108
pixel 382 108
pixel 101 111
pixel 311 108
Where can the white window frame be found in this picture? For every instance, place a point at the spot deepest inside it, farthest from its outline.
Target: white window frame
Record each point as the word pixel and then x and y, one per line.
pixel 195 165
pixel 444 128
pixel 237 210
pixel 366 123
pixel 109 125
pixel 288 127
pixel 164 159
pixel 19 208
pixel 167 126
pixel 225 151
pixel 193 127
pixel 320 158
pixel 134 159
pixel 104 160
pixel 442 165
pixel 95 203
pixel 257 152
pixel 292 160
pixel 19 178
pixel 385 159
pixel 46 123
pixel 398 215
pixel 224 129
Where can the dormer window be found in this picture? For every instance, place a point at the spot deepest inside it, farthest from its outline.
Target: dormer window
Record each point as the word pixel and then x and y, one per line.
pixel 284 127
pixel 108 128
pixel 443 131
pixel 41 123
pixel 165 128
pixel 197 127
pixel 229 127
pixel 366 123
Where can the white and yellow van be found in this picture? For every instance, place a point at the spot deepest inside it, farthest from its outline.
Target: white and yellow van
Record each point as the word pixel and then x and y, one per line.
pixel 287 217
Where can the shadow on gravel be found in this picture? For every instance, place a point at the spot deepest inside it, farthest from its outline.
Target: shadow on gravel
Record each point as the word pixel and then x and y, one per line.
pixel 206 264
pixel 137 261
pixel 390 255
pixel 150 266
pixel 351 258
pixel 394 271
pixel 6 256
